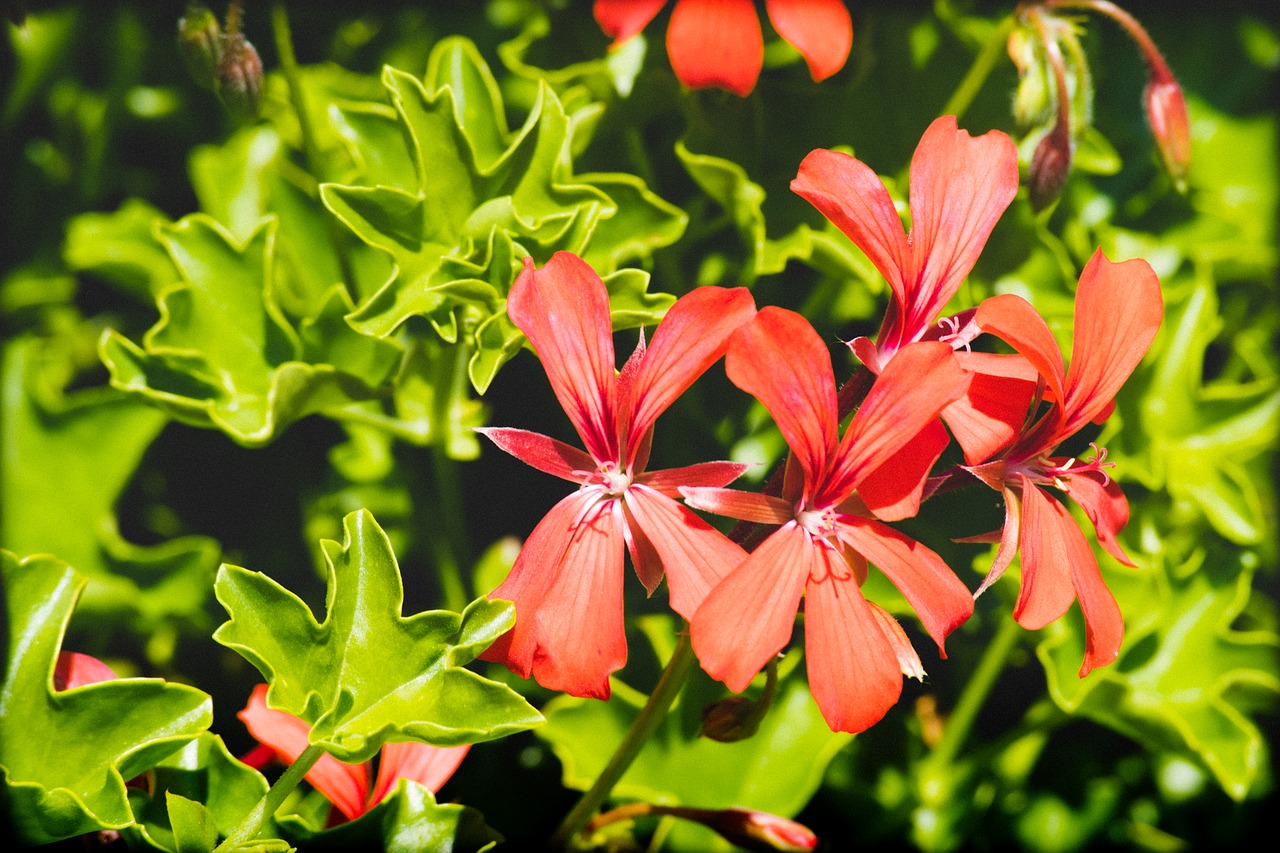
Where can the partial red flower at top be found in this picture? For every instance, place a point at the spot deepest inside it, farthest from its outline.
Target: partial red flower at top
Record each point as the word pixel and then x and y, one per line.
pixel 856 652
pixel 720 43
pixel 567 582
pixel 346 786
pixel 1118 312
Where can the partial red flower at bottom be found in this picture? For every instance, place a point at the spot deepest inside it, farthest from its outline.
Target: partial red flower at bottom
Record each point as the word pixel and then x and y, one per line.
pixel 346 786
pixel 1118 312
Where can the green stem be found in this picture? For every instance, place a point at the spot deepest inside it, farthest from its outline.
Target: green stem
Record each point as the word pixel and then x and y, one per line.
pixel 983 64
pixel 253 822
pixel 449 539
pixel 297 98
pixel 651 715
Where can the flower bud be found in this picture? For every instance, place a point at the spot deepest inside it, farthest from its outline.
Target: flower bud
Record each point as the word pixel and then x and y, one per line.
pixel 1050 166
pixel 200 43
pixel 240 77
pixel 731 719
pixel 761 831
pixel 1167 112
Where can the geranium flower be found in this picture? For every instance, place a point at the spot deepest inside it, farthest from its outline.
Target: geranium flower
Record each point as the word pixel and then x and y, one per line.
pixel 1118 312
pixel 346 786
pixel 567 582
pixel 857 653
pixel 960 186
pixel 720 43
pixel 74 669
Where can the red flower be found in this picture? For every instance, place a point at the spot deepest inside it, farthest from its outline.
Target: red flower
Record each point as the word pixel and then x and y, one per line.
pixel 567 582
pixel 74 669
pixel 856 651
pixel 1118 312
pixel 720 43
pixel 960 186
pixel 347 785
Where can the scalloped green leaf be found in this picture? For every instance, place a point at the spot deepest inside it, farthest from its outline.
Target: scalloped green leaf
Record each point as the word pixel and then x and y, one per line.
pixel 65 755
pixel 121 247
pixel 223 354
pixel 367 675
pixel 1184 676
pixel 777 770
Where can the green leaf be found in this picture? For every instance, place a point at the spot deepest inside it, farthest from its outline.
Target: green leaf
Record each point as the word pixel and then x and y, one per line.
pixel 65 756
pixel 224 355
pixel 122 248
pixel 193 831
pixel 367 675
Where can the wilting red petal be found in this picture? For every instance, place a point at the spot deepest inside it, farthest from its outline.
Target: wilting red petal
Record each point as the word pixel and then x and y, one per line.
pixel 692 336
pixel 540 451
pixel 526 586
pixel 1051 543
pixel 908 660
pixel 716 43
pixel 1106 506
pixel 695 555
pixel 852 196
pixel 749 616
pixel 429 766
pixel 779 359
pixel 989 417
pixel 934 592
pixel 853 667
pixel 746 506
pixel 820 29
pixel 344 785
pixel 669 480
pixel 1012 319
pixel 893 490
pixel 1118 312
pixel 563 309
pixel 915 386
pixel 1008 536
pixel 622 19
pixel 960 185
pixel 580 635
pixel 74 669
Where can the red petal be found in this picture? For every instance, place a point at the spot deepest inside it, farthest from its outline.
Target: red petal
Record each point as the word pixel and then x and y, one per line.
pixel 1008 536
pixel 935 593
pixel 749 616
pixel 854 673
pixel 692 336
pixel 820 29
pixel 429 766
pixel 695 555
pixel 669 480
pixel 852 196
pixel 716 43
pixel 1103 622
pixel 644 556
pixel 916 385
pixel 1051 543
pixel 535 569
pixel 581 640
pixel 960 185
pixel 541 452
pixel 1012 319
pixel 989 417
pixel 1118 312
pixel 344 785
pixel 74 669
pixel 563 309
pixel 746 506
pixel 622 19
pixel 893 490
pixel 779 359
pixel 1106 506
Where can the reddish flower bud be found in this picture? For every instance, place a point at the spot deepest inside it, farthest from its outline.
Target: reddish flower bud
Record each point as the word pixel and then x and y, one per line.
pixel 761 830
pixel 1167 112
pixel 200 43
pixel 1050 166
pixel 240 77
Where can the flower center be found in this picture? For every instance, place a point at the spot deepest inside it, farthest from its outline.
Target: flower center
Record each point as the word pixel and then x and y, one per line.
pixel 821 523
pixel 1041 470
pixel 608 478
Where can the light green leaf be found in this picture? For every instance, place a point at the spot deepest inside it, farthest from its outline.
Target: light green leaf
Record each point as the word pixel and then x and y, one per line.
pixel 122 248
pixel 367 675
pixel 65 756
pixel 193 831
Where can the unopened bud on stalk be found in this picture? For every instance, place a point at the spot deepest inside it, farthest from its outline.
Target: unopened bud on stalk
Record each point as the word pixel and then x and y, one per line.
pixel 1050 166
pixel 731 719
pixel 762 831
pixel 200 43
pixel 1167 112
pixel 240 77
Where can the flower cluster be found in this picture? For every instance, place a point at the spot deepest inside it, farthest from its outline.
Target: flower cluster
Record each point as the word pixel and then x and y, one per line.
pixel 829 520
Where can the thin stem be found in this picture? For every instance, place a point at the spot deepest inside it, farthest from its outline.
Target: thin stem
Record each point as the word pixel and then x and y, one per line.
pixel 651 715
pixel 983 64
pixel 252 823
pixel 449 539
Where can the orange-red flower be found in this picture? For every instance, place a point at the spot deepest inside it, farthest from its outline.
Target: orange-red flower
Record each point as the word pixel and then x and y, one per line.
pixel 720 43
pixel 567 582
pixel 347 785
pixel 1118 312
pixel 856 652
